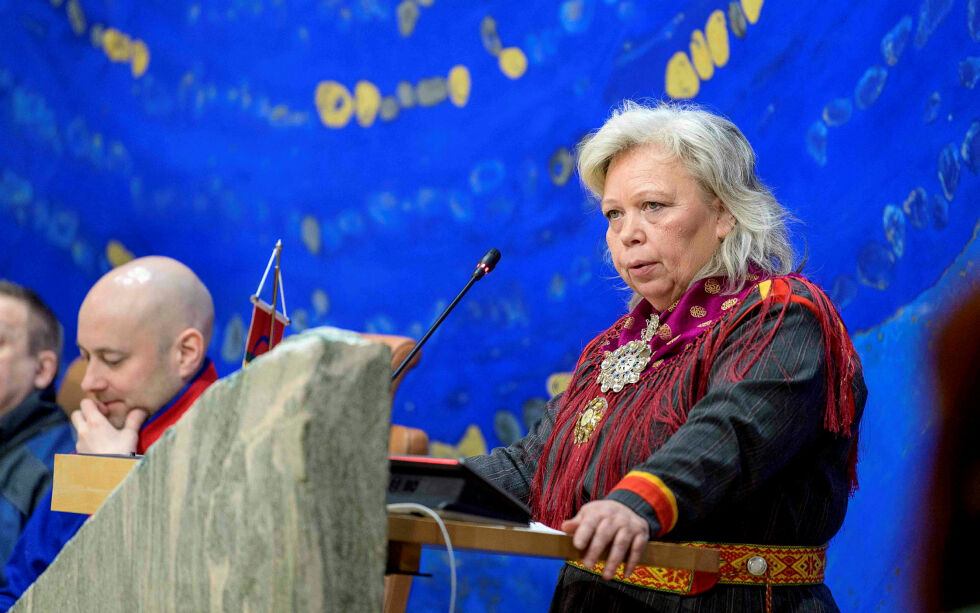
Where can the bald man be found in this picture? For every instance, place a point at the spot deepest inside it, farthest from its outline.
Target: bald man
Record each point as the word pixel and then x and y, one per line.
pixel 143 329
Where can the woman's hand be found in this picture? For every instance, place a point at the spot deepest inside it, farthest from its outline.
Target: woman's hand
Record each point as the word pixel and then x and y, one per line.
pixel 608 524
pixel 97 435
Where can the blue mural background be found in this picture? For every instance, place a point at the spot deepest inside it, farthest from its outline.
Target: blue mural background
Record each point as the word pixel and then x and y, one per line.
pixel 391 143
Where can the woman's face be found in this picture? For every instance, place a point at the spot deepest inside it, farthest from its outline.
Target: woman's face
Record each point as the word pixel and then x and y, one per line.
pixel 661 230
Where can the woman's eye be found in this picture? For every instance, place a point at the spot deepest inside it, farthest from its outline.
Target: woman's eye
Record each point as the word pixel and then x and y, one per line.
pixel 651 206
pixel 612 214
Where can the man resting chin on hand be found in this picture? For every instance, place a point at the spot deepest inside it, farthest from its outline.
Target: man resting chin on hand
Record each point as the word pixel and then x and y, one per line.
pixel 143 330
pixel 96 434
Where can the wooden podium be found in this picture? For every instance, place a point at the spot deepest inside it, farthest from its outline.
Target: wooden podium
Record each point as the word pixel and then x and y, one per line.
pixel 83 482
pixel 407 534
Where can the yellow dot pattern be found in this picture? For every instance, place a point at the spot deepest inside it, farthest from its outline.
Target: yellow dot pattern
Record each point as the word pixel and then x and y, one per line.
pixel 336 105
pixel 752 8
pixel 119 47
pixel 459 85
pixel 513 62
pixel 117 254
pixel 701 56
pixel 682 81
pixel 709 49
pixel 367 98
pixel 716 31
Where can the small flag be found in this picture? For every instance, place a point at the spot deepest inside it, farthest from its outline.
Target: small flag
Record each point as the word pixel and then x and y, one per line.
pixel 268 325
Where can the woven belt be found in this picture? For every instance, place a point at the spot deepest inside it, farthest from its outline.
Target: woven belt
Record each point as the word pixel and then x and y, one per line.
pixel 739 565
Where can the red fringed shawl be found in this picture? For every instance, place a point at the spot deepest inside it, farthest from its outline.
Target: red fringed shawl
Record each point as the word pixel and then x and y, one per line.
pixel 655 407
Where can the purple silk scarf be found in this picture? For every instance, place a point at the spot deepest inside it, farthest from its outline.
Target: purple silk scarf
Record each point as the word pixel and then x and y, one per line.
pixel 700 307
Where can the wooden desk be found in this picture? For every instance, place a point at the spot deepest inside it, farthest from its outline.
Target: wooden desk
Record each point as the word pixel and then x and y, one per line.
pixel 407 534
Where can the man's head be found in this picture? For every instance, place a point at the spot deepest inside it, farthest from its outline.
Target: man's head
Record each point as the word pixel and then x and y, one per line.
pixel 144 329
pixel 30 343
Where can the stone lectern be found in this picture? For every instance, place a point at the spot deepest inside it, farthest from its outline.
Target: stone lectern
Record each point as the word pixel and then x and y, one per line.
pixel 269 495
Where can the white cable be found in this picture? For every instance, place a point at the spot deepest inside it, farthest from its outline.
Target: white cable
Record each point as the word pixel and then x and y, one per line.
pixel 411 506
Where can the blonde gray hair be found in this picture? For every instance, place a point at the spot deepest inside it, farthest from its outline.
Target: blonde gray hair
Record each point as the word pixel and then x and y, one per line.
pixel 719 158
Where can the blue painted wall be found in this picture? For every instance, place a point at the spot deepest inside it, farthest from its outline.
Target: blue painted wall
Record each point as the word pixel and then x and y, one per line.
pixel 390 144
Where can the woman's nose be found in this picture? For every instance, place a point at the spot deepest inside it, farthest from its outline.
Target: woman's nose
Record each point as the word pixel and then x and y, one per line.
pixel 632 232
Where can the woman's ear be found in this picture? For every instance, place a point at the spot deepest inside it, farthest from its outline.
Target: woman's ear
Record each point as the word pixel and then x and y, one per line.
pixel 190 352
pixel 725 222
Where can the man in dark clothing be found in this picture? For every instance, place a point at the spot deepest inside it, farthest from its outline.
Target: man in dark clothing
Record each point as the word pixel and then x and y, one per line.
pixel 143 330
pixel 32 427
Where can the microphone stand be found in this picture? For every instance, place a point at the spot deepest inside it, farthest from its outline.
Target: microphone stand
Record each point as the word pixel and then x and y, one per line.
pixel 486 265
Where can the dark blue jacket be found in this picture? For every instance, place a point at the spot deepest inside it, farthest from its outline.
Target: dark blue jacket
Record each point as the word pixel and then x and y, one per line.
pixel 30 436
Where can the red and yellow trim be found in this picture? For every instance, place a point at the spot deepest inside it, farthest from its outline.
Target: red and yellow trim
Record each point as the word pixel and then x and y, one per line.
pixel 785 565
pixel 651 489
pixel 782 290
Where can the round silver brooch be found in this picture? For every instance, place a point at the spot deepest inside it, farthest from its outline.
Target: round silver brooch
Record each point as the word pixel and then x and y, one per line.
pixel 756 565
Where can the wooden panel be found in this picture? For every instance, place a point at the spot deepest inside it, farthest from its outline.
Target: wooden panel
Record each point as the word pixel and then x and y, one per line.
pixel 82 482
pixel 397 590
pixel 409 529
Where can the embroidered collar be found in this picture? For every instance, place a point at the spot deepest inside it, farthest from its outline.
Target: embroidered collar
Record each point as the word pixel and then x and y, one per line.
pixel 701 305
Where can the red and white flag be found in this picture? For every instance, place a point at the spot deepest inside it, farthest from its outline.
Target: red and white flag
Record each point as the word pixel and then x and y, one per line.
pixel 268 324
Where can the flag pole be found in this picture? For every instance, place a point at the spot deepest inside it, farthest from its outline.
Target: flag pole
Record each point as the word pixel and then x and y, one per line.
pixel 275 294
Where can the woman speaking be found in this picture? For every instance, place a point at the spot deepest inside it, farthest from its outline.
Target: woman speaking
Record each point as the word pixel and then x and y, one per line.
pixel 721 411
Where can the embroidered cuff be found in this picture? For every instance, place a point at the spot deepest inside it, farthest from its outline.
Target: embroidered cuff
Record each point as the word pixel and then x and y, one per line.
pixel 652 491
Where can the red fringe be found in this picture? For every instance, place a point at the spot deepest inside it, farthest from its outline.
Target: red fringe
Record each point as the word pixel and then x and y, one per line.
pixel 840 358
pixel 670 392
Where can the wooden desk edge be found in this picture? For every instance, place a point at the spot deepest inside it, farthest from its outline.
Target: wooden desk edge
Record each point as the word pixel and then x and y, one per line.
pixel 485 537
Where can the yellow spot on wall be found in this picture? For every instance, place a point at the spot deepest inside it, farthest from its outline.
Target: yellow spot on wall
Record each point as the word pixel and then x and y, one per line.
pixel 140 60
pixel 119 47
pixel 459 85
pixel 368 100
pixel 558 382
pixel 701 55
pixel 334 104
pixel 752 8
pixel 716 31
pixel 472 443
pixel 117 254
pixel 116 45
pixel 681 80
pixel 513 62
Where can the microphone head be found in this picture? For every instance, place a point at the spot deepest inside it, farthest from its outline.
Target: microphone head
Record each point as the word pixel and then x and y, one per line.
pixel 487 263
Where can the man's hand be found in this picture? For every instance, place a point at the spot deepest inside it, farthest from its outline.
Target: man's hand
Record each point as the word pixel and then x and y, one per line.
pixel 97 435
pixel 609 524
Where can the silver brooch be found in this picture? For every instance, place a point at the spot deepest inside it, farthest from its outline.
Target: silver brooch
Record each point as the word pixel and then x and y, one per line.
pixel 623 366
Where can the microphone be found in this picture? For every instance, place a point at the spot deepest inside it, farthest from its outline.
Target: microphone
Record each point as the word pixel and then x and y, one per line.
pixel 485 265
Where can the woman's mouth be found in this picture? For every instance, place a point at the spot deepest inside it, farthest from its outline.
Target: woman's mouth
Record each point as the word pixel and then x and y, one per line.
pixel 641 268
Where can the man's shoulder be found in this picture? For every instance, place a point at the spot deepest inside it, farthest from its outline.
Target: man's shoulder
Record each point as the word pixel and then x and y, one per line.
pixel 40 425
pixel 57 436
